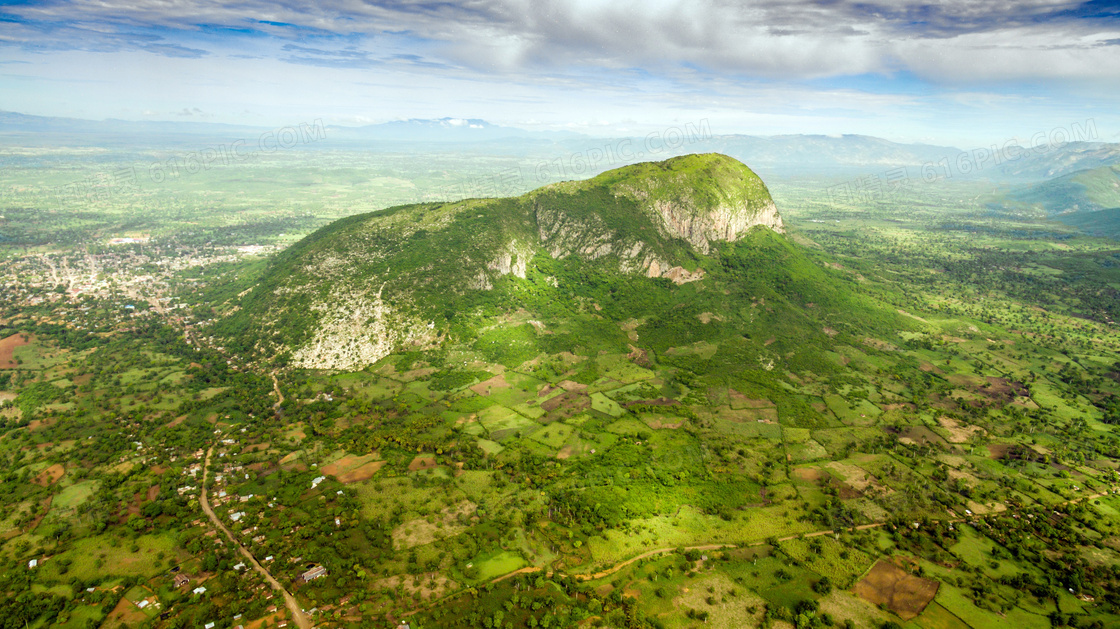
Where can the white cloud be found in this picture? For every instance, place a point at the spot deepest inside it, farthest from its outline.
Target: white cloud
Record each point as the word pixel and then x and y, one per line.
pixel 776 39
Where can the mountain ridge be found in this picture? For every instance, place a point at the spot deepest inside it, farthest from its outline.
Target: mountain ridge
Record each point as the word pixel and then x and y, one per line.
pixel 633 242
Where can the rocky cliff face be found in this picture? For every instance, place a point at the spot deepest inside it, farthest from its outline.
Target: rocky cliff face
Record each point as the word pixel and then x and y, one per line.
pixel 701 228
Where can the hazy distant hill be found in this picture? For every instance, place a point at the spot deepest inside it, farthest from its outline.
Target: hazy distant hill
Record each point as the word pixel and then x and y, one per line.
pixel 780 155
pixel 1045 164
pixel 442 130
pixel 1098 223
pixel 827 150
pixel 1082 191
pixel 16 125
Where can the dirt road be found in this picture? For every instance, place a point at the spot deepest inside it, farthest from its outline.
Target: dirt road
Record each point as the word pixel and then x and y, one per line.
pixel 293 606
pixel 279 395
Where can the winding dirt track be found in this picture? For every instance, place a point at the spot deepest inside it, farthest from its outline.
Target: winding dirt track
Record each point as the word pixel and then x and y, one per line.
pixel 279 395
pixel 661 551
pixel 293 606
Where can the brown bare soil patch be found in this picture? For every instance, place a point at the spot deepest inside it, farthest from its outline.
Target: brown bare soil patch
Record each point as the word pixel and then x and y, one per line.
pixel 408 376
pixel 811 474
pixel 133 507
pixel 429 586
pixel 568 400
pixel 1004 390
pixel 352 468
pixel 422 463
pixel 898 590
pixel 360 473
pixel 901 406
pixel 964 477
pixel 570 386
pixel 814 475
pixel 153 493
pixel 126 613
pixel 8 346
pixel 449 522
pixel 846 491
pixel 638 355
pixel 565 453
pixel 1002 451
pixel 44 509
pixel 50 476
pixel 984 509
pixel 36 424
pixel 257 447
pixel 919 435
pixel 292 457
pixel 829 331
pixel 880 344
pixel 486 387
pixel 958 433
pixel 857 477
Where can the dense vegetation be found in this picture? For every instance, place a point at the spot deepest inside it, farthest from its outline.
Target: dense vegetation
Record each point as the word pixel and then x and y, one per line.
pixel 920 403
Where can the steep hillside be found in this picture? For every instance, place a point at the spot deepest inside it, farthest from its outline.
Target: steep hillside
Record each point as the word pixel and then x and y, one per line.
pixel 687 250
pixel 1099 223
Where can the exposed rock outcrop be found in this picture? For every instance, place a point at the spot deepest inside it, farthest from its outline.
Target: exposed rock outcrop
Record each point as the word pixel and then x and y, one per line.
pixel 357 330
pixel 701 228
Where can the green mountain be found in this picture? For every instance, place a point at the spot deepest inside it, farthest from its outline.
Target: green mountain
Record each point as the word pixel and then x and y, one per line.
pixel 1087 190
pixel 1098 223
pixel 652 256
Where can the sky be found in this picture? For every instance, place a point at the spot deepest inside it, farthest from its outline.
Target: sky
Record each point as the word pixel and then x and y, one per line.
pixel 953 72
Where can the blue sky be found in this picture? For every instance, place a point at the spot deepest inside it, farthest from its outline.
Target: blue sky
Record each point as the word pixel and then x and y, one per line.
pixel 953 72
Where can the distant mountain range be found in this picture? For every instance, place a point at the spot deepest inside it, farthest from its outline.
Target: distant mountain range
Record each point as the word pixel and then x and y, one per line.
pixel 1081 191
pixel 780 155
pixel 827 150
pixel 443 130
pixel 1086 199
